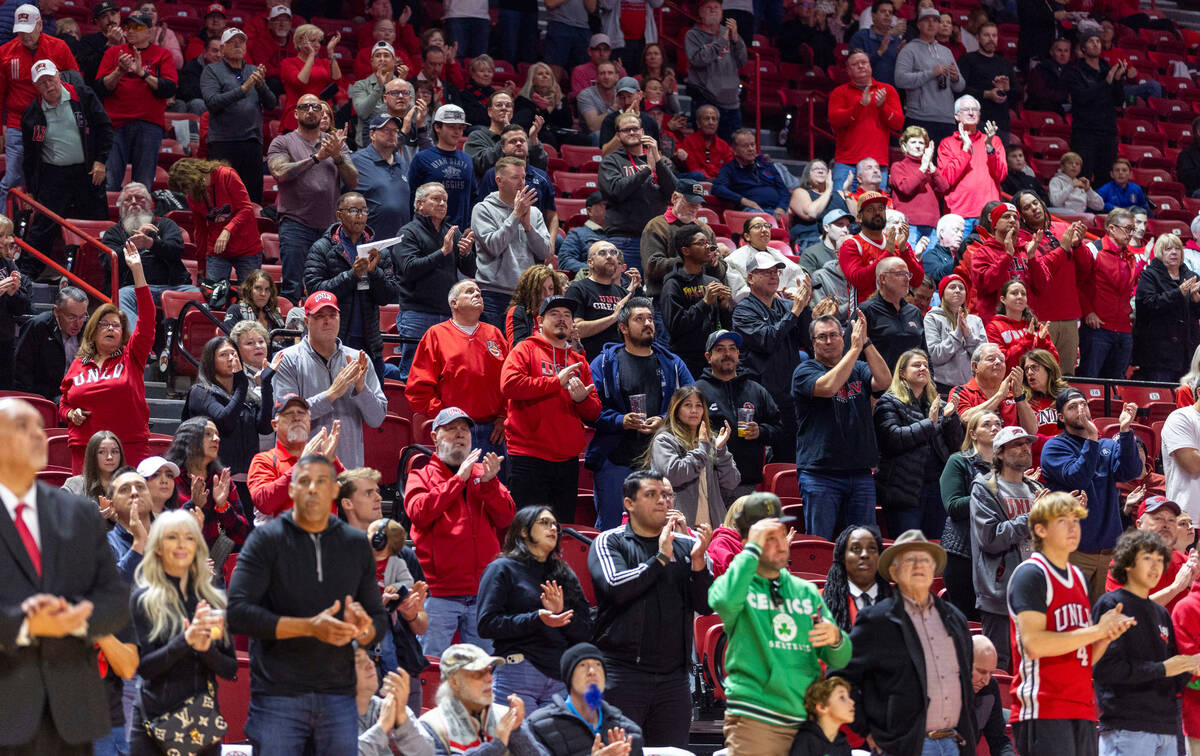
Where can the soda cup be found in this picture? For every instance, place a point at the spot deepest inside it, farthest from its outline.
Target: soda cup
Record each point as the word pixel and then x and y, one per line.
pixel 745 417
pixel 637 404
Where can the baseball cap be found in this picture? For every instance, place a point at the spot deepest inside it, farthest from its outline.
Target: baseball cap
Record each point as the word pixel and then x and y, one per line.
pixel 44 67
pixel 383 45
pixel 449 415
pixel 557 300
pixel 230 33
pixel 1009 434
pixel 599 39
pixel 151 465
pixel 450 114
pixel 595 198
pixel 1155 503
pixel 282 402
pixel 26 18
pixel 467 656
pixel 692 191
pixel 929 13
pixel 381 120
pixel 137 18
pixel 763 261
pixel 102 7
pixel 1067 395
pixel 215 8
pixel 279 10
pixel 835 215
pixel 716 336
pixel 759 506
pixel 628 84
pixel 319 300
pixel 871 198
pixel 999 210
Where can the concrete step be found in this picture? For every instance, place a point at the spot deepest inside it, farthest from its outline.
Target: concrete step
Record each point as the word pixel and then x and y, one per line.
pixel 156 390
pixel 163 407
pixel 164 425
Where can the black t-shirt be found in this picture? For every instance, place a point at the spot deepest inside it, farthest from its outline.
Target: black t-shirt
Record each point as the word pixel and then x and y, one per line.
pixel 597 301
pixel 638 375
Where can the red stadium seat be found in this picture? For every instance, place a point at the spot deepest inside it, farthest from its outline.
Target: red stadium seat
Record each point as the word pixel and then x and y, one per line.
pixel 810 555
pixel 1048 147
pixel 54 477
pixel 576 185
pixel 270 244
pixel 1157 227
pixel 397 401
pixel 736 219
pixel 1165 202
pixel 46 408
pixel 569 208
pixel 382 446
pixel 234 699
pixel 581 158
pixel 712 659
pixel 1178 134
pixel 57 453
pixel 785 483
pixel 575 553
pixel 430 679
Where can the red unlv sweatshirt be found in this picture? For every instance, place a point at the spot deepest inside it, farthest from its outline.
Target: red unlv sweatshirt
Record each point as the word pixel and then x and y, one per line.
pixel 543 420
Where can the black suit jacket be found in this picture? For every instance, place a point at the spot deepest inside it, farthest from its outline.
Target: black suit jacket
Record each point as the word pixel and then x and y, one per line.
pixel 887 676
pixel 77 564
pixel 39 363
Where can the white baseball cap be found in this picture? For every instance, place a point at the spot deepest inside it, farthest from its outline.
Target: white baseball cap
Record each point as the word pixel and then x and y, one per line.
pixel 26 18
pixel 279 10
pixel 383 45
pixel 450 114
pixel 42 68
pixel 230 33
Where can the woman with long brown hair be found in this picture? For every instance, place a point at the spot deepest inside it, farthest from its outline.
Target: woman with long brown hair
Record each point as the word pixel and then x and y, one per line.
pixel 534 285
pixel 258 300
pixel 102 457
pixel 223 222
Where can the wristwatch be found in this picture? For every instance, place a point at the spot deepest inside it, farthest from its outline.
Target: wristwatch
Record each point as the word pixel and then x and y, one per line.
pixel 315 159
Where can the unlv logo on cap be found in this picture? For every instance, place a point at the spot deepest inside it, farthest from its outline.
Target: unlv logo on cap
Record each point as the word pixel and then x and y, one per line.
pixel 23 17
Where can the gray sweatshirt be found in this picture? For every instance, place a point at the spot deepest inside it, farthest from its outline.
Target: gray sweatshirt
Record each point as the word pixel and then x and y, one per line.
pixel 302 371
pixel 367 97
pixel 683 467
pixel 713 65
pixel 914 74
pixel 999 542
pixel 405 739
pixel 950 353
pixel 504 249
pixel 233 115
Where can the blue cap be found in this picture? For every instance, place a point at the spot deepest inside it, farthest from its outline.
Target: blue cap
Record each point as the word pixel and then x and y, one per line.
pixel 381 120
pixel 835 215
pixel 716 336
pixel 449 415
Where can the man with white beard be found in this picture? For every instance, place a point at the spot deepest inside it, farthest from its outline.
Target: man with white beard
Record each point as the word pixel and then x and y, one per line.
pixel 457 506
pixel 159 241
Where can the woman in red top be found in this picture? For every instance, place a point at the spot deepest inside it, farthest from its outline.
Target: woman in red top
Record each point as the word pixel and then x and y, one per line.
pixel 304 74
pixel 223 220
pixel 1043 381
pixel 104 388
pixel 1015 329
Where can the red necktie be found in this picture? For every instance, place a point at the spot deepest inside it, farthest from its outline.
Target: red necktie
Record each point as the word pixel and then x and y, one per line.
pixel 35 554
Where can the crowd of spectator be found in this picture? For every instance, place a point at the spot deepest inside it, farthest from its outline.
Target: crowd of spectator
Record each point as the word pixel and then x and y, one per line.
pixel 895 326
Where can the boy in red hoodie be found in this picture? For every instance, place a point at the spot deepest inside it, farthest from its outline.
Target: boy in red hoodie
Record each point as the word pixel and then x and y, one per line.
pixel 549 391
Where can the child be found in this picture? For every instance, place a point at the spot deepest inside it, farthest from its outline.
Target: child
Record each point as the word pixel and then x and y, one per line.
pixel 1020 176
pixel 1121 192
pixel 829 706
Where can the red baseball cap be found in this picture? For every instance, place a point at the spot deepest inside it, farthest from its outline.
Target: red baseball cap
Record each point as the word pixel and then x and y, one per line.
pixel 215 8
pixel 320 300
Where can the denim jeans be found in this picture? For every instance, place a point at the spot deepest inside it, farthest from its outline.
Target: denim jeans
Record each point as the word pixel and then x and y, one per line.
pixel 136 143
pixel 566 45
pixel 495 307
pixel 943 747
pixel 660 704
pixel 413 324
pixel 14 173
pixel 524 679
pixel 831 502
pixel 481 439
pixel 631 250
pixel 841 170
pixel 1103 353
pixel 446 615
pixel 287 725
pixel 295 239
pixel 220 268
pixel 518 32
pixel 471 34
pixel 127 299
pixel 1132 743
pixel 610 501
pixel 112 744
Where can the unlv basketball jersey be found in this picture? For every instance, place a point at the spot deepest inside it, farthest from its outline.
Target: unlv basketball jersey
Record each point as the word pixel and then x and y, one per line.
pixel 1056 687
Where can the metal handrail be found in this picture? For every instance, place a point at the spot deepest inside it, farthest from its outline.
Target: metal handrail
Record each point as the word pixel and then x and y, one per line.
pixel 1109 384
pixel 19 195
pixel 177 336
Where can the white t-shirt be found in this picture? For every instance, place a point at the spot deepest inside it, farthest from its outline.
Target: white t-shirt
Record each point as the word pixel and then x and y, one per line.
pixel 1181 431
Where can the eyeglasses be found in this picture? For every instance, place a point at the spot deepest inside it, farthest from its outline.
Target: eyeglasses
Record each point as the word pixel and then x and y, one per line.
pixel 399 94
pixel 827 337
pixel 109 325
pixel 630 129
pixel 900 274
pixel 353 210
pixel 1126 229
pixel 546 522
pixel 760 227
pixel 311 106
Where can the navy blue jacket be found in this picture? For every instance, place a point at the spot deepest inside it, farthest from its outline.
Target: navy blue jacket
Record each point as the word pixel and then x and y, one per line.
pixel 1095 467
pixel 759 181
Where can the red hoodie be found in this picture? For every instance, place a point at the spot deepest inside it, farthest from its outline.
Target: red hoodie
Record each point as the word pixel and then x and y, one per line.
pixel 455 524
pixel 455 369
pixel 1106 285
pixel 858 257
pixel 1015 339
pixel 1186 618
pixel 543 420
pixel 991 267
pixel 1053 289
pixel 114 394
pixel 724 546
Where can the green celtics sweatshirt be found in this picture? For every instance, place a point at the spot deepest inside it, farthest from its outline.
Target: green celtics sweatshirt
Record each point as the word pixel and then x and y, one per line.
pixel 769 661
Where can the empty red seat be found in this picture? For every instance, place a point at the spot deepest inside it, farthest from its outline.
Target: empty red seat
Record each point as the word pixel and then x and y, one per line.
pixel 576 185
pixel 1049 147
pixel 581 158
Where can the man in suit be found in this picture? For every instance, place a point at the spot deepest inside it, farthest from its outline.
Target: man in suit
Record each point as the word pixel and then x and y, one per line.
pixel 48 343
pixel 60 591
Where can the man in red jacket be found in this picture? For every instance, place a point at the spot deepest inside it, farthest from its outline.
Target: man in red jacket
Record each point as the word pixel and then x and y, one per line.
pixel 549 391
pixel 1106 286
pixel 270 472
pixel 859 254
pixel 864 113
pixel 457 505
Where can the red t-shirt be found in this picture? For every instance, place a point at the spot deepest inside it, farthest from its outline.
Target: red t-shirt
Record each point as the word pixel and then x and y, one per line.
pixel 15 62
pixel 133 100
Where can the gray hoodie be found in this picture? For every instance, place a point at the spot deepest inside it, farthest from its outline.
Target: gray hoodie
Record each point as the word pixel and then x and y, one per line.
pixel 504 249
pixel 683 468
pixel 950 353
pixel 914 74
pixel 713 65
pixel 830 281
pixel 998 542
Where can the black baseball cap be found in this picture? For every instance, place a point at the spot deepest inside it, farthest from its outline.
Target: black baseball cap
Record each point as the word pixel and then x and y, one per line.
pixel 557 300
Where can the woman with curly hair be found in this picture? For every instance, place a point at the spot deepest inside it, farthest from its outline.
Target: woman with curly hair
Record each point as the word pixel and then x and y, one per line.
pixel 258 300
pixel 534 285
pixel 223 223
pixel 853 582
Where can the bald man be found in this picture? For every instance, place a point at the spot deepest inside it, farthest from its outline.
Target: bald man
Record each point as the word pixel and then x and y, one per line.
pixel 990 715
pixel 53 547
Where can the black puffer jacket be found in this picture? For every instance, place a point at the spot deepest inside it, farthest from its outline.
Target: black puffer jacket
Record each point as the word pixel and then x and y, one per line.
pixel 328 268
pixel 1167 328
pixel 906 438
pixel 561 732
